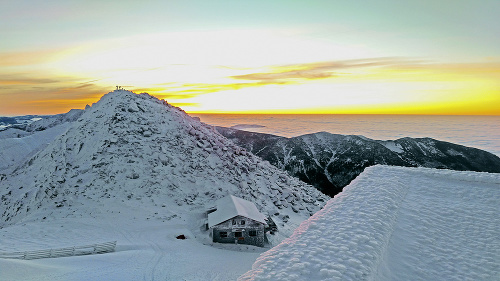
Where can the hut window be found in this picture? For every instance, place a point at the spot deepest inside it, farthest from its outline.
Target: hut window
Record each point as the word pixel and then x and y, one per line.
pixel 242 222
pixel 234 222
pixel 237 234
pixel 252 233
pixel 223 234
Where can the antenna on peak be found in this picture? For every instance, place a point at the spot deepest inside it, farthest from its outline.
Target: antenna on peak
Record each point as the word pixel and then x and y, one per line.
pixel 120 88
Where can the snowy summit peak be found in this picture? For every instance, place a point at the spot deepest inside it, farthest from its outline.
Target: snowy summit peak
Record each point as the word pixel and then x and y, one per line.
pixel 139 156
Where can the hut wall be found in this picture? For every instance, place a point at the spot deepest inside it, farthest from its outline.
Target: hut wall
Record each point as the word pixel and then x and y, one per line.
pixel 239 230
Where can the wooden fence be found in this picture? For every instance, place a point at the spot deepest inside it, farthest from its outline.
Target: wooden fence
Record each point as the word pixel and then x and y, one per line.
pixel 100 248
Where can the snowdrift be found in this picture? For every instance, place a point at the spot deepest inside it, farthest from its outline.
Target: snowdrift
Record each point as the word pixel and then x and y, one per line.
pixel 395 223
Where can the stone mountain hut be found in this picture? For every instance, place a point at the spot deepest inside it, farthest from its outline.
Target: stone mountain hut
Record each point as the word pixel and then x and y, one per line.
pixel 238 221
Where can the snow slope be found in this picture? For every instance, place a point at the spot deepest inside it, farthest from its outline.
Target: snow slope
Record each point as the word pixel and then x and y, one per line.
pixel 17 145
pixel 135 169
pixel 394 223
pixel 146 250
pixel 13 151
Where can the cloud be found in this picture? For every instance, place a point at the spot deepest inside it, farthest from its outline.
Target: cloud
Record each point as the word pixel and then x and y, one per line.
pixel 382 69
pixel 22 95
pixel 187 91
pixel 24 58
pixel 280 77
pixel 25 81
pixel 386 69
pixel 35 91
pixel 186 104
pixel 319 70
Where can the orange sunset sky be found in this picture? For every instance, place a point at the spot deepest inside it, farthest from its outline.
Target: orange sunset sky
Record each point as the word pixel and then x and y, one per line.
pixel 339 57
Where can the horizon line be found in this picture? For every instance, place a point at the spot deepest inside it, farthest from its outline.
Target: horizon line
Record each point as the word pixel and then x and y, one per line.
pixel 278 113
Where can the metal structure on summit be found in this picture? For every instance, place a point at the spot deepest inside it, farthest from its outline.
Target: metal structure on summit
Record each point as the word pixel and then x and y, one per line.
pixel 118 88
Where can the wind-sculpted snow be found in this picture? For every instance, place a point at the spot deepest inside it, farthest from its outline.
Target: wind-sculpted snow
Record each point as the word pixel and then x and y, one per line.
pixel 136 152
pixel 394 223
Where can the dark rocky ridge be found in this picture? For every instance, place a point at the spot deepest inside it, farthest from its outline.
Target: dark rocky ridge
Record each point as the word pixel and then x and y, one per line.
pixel 329 161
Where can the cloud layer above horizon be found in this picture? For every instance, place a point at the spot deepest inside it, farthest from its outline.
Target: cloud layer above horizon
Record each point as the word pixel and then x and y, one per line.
pixel 417 57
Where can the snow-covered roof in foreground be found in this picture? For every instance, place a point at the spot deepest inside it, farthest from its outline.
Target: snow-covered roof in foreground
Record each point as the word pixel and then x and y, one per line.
pixel 395 223
pixel 231 206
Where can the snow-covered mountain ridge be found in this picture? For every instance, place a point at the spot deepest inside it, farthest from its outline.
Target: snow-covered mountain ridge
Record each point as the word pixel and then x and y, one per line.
pixel 327 161
pixel 140 156
pixel 31 123
pixel 19 121
pixel 331 161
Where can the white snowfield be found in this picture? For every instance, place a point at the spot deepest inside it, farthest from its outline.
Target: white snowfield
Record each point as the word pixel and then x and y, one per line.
pixel 145 250
pixel 394 223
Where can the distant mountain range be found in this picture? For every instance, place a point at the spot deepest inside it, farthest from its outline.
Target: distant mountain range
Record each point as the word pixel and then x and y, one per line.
pixel 19 122
pixel 330 161
pixel 327 161
pixel 31 123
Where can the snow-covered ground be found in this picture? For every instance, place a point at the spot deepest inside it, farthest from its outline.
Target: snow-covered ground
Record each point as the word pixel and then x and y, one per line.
pixel 147 247
pixel 146 250
pixel 391 223
pixel 395 223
